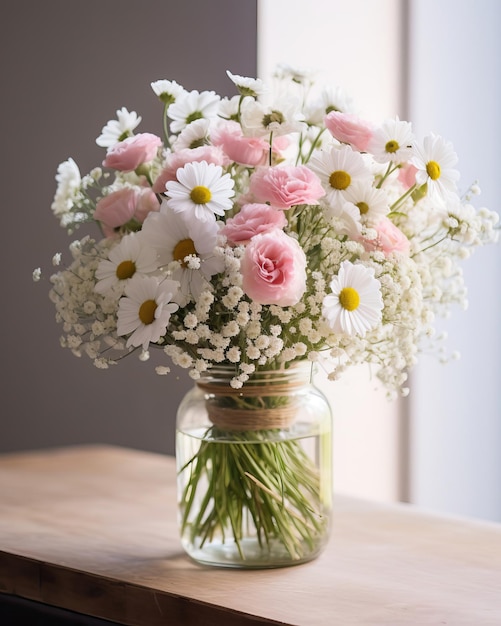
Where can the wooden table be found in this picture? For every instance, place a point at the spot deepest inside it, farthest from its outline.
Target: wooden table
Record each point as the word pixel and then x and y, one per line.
pixel 92 530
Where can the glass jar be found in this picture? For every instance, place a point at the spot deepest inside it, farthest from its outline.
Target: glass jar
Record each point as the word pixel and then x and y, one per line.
pixel 254 469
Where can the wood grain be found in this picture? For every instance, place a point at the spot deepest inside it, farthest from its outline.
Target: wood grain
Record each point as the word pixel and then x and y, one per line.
pixel 93 529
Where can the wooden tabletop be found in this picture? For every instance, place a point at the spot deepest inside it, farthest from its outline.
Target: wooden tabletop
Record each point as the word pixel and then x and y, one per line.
pixel 93 529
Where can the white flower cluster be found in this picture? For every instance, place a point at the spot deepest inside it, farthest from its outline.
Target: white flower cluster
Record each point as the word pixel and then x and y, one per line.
pixel 88 319
pixel 263 229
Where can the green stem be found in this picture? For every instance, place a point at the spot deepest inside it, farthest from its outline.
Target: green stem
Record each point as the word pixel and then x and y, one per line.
pixel 166 124
pixel 273 483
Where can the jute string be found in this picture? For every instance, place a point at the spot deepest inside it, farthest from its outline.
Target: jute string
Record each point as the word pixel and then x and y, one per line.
pixel 259 418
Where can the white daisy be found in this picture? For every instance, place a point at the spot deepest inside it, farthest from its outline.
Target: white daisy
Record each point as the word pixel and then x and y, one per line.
pixel 435 160
pixel 119 129
pixel 336 98
pixel 184 241
pixel 338 169
pixel 281 117
pixel 345 219
pixel 330 99
pixel 191 106
pixel 144 312
pixel 194 135
pixel 299 75
pixel 392 141
pixel 253 87
pixel 167 90
pixel 201 188
pixel 355 305
pixel 130 257
pixel 372 203
pixel 229 108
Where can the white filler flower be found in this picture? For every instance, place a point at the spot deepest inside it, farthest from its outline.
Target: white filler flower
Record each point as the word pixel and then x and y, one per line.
pixel 355 305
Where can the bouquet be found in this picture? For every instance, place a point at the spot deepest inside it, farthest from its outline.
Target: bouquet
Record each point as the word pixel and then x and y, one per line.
pixel 262 230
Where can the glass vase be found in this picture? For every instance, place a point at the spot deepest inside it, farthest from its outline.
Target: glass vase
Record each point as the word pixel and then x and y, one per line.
pixel 254 469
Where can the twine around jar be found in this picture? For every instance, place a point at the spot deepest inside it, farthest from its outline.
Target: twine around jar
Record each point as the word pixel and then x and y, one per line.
pixel 229 418
pixel 234 418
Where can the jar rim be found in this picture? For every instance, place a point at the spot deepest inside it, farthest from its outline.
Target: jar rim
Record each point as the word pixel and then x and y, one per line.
pixel 299 373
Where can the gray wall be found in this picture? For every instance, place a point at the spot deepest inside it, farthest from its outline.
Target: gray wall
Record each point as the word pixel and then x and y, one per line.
pixel 66 67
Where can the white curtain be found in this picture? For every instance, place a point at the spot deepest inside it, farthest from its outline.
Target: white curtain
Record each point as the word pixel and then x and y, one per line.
pixel 455 89
pixel 438 64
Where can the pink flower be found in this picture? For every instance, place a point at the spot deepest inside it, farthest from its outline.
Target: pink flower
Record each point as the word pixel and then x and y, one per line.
pixel 274 269
pixel 350 129
pixel 279 146
pixel 175 160
pixel 407 175
pixel 128 154
pixel 389 239
pixel 146 202
pixel 117 208
pixel 286 186
pixel 250 151
pixel 120 207
pixel 251 220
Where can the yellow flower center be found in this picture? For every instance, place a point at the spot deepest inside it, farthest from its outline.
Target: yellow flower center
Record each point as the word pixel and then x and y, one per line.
pixel 200 194
pixel 340 180
pixel 433 170
pixel 125 269
pixel 363 207
pixel 147 311
pixel 274 116
pixel 349 298
pixel 196 115
pixel 392 146
pixel 182 249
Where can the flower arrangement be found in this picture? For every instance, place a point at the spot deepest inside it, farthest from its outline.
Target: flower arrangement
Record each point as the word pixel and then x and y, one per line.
pixel 264 229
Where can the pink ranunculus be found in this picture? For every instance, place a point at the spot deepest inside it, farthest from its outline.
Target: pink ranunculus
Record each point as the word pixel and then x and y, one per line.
pixel 407 175
pixel 250 151
pixel 274 269
pixel 286 186
pixel 389 239
pixel 279 146
pixel 252 219
pixel 117 208
pixel 349 128
pixel 146 202
pixel 175 160
pixel 132 152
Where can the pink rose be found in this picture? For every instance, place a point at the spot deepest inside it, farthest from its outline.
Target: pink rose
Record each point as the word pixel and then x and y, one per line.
pixel 146 202
pixel 128 154
pixel 175 160
pixel 407 175
pixel 350 129
pixel 389 239
pixel 286 186
pixel 250 151
pixel 117 208
pixel 122 206
pixel 251 220
pixel 274 269
pixel 279 146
